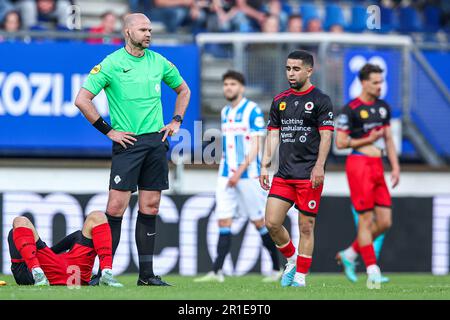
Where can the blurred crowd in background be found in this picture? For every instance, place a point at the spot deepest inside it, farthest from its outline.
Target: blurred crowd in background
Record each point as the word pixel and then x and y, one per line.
pixel 269 16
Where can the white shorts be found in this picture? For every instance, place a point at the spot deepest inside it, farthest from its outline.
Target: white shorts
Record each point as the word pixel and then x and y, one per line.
pixel 246 199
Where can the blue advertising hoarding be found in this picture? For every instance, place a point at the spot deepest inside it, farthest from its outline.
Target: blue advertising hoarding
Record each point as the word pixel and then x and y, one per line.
pixel 39 83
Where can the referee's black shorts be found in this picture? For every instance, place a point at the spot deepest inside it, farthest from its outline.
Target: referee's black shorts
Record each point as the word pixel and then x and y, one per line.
pixel 143 165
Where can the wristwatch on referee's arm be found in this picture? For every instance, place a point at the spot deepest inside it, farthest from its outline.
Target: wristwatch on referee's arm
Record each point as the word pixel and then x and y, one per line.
pixel 178 118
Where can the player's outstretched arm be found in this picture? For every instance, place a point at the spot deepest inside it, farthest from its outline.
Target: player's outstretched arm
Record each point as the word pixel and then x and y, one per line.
pixel 318 172
pixel 392 156
pixel 270 146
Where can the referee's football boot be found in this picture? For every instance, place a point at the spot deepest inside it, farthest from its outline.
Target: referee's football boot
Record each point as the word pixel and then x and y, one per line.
pixel 107 279
pixel 39 277
pixel 348 266
pixel 288 274
pixel 153 281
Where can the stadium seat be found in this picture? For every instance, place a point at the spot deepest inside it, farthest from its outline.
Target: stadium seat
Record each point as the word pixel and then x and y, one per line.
pixel 334 16
pixel 409 20
pixel 359 19
pixel 286 7
pixel 432 17
pixel 389 20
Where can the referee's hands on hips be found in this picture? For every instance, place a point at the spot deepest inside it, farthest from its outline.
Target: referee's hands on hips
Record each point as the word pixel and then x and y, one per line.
pixel 122 137
pixel 170 129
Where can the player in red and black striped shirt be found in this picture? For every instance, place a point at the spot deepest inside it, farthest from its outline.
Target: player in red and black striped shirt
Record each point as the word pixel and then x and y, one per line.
pixel 301 123
pixel 364 126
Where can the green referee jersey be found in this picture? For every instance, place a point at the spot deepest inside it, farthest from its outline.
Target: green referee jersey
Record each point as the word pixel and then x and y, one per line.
pixel 133 88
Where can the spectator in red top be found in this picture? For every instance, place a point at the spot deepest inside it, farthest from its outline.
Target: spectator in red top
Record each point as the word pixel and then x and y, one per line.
pixel 106 27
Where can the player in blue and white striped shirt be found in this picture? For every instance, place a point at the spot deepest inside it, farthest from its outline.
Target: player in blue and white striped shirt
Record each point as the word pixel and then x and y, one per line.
pixel 241 125
pixel 238 186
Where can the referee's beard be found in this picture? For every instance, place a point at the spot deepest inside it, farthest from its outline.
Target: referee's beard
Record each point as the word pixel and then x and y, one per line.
pixel 140 45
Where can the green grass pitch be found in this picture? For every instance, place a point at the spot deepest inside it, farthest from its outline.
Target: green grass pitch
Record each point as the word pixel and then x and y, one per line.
pixel 249 287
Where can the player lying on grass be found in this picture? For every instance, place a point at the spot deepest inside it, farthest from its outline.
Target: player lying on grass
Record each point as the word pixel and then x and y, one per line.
pixel 32 262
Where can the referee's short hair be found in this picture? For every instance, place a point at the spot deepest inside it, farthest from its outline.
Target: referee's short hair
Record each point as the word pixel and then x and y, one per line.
pixel 235 75
pixel 303 55
pixel 367 69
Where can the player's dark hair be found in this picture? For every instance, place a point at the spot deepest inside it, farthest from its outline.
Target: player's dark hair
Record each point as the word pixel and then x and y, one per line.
pixel 367 69
pixel 235 75
pixel 305 56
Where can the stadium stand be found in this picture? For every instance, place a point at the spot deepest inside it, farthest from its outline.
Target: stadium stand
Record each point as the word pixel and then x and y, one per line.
pixel 409 20
pixel 334 16
pixel 396 16
pixel 358 20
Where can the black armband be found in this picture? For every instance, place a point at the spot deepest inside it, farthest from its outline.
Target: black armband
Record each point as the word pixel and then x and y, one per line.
pixel 102 126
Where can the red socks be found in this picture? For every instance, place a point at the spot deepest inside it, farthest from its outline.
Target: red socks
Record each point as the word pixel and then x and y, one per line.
pixel 368 255
pixel 24 241
pixel 288 250
pixel 101 236
pixel 355 246
pixel 303 264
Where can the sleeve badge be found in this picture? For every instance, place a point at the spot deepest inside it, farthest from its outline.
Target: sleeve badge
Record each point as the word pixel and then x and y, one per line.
pixel 96 69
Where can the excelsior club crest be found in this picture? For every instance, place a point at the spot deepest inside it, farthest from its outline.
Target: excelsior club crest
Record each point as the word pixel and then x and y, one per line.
pixel 309 106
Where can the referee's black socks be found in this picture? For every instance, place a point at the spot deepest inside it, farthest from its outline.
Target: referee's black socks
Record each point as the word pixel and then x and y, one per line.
pixel 145 242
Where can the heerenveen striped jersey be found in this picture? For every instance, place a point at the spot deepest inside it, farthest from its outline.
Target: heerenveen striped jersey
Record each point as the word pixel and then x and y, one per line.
pixel 239 124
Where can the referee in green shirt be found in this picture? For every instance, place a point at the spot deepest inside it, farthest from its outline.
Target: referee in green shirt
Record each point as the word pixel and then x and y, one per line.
pixel 131 78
